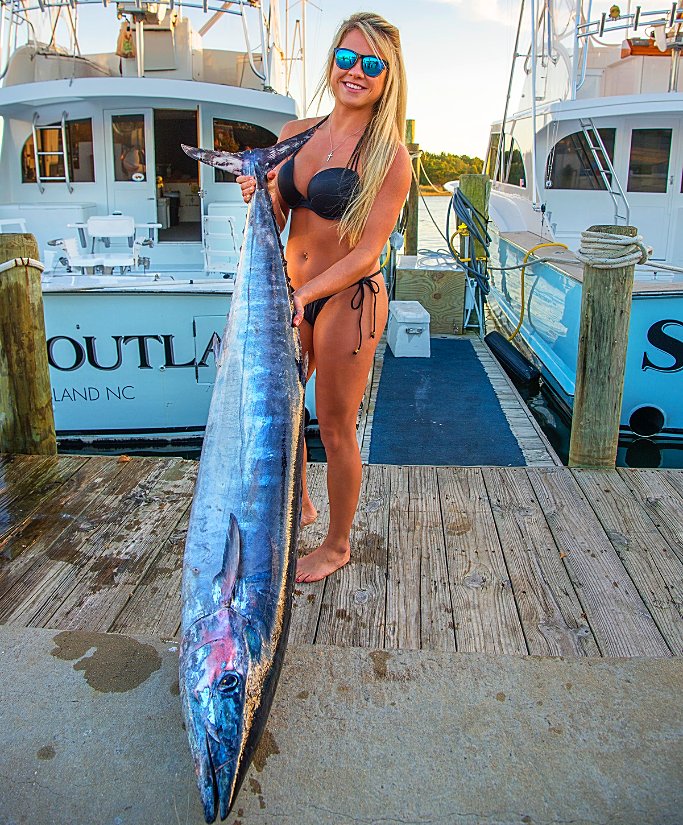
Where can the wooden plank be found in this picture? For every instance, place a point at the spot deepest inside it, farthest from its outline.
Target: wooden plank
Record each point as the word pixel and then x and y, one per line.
pixel 354 605
pixel 121 554
pixel 154 605
pixel 661 501
pixel 486 618
pixel 614 610
pixel 440 291
pixel 56 561
pixel 437 626
pixel 403 567
pixel 648 558
pixel 675 479
pixel 548 607
pixel 308 597
pixel 34 542
pixel 27 481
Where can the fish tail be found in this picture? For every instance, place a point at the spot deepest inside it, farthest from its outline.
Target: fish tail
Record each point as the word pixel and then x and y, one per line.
pixel 256 162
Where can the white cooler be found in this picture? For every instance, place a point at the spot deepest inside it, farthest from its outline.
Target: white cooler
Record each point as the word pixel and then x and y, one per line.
pixel 408 330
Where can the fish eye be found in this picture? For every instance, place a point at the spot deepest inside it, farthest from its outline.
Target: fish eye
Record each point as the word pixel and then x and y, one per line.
pixel 229 683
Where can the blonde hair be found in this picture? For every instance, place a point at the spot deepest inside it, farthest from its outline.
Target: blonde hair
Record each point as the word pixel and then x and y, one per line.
pixel 384 133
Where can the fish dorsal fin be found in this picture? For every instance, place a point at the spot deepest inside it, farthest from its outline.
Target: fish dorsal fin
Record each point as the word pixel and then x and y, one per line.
pixel 225 580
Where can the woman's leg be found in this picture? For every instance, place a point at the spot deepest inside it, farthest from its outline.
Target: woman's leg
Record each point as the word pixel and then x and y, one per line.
pixel 308 511
pixel 340 383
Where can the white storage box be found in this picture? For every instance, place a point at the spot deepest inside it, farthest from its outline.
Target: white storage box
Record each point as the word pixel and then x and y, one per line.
pixel 408 332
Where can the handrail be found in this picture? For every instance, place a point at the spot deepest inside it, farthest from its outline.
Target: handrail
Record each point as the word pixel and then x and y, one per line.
pixel 65 154
pixel 596 28
pixel 611 182
pixel 36 156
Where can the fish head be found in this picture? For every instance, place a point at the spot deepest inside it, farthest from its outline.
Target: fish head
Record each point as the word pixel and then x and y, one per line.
pixel 214 690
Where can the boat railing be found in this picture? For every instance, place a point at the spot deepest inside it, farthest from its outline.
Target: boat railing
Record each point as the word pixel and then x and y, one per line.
pixel 141 14
pixel 620 22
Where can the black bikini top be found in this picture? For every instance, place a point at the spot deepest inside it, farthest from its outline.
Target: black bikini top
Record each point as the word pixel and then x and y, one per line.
pixel 329 191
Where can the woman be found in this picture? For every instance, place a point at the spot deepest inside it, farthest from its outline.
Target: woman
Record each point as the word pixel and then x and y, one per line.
pixel 345 188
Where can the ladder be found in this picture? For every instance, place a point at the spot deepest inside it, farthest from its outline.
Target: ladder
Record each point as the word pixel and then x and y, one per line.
pixel 622 210
pixel 62 153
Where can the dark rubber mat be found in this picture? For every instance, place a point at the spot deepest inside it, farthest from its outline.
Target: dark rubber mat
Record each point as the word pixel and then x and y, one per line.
pixel 440 410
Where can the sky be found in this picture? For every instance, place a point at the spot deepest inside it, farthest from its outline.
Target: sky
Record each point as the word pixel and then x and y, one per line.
pixel 457 55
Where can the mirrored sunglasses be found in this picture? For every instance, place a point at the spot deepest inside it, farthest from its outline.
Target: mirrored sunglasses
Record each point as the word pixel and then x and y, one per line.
pixel 372 66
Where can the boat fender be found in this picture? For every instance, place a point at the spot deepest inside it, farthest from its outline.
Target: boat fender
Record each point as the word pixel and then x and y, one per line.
pixel 511 359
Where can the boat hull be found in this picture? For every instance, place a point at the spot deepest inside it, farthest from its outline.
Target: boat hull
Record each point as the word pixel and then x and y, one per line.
pixel 653 385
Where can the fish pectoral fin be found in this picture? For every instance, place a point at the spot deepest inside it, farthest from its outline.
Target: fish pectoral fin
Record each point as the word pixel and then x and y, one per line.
pixel 224 582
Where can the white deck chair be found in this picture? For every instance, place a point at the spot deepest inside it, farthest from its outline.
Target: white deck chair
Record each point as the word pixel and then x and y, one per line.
pixel 74 259
pixel 105 228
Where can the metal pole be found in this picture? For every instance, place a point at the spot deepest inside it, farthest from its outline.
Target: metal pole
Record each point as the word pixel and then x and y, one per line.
pixel 533 102
pixel 501 140
pixel 303 56
pixel 575 56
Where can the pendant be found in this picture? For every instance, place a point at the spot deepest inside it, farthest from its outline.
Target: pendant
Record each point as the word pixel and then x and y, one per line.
pixel 329 157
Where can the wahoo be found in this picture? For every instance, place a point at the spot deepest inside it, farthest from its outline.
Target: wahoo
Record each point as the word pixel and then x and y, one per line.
pixel 240 552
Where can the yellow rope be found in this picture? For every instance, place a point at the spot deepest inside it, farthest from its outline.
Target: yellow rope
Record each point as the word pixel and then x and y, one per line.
pixel 526 258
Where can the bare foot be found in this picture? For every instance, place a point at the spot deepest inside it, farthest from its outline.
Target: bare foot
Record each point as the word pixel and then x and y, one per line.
pixel 308 514
pixel 321 562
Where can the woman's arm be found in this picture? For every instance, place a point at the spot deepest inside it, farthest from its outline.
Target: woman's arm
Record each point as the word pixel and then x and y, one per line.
pixel 365 255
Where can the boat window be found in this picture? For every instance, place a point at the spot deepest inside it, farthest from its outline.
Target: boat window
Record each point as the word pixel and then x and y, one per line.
pixel 572 165
pixel 514 165
pixel 128 137
pixel 234 136
pixel 79 153
pixel 490 165
pixel 511 165
pixel 648 167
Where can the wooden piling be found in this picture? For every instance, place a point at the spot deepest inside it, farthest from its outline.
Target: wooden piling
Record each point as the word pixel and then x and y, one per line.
pixel 477 189
pixel 601 361
pixel 411 241
pixel 26 419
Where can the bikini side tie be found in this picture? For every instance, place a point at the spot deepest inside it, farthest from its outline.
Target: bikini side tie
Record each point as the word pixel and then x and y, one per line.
pixel 357 303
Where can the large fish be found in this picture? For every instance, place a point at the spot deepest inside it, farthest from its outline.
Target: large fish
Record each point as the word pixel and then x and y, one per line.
pixel 240 553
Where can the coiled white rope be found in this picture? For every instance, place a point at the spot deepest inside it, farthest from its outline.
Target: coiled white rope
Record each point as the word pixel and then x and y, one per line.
pixel 21 262
pixel 602 250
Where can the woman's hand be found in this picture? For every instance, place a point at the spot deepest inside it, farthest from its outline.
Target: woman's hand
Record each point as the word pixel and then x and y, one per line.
pixel 298 316
pixel 248 185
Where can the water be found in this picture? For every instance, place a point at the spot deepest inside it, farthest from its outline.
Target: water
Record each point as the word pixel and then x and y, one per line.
pixel 427 234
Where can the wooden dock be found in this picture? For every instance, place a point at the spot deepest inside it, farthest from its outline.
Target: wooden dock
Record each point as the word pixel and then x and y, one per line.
pixel 530 561
pixel 532 441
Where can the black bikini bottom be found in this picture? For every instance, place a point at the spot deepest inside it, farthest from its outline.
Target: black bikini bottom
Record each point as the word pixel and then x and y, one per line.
pixel 312 310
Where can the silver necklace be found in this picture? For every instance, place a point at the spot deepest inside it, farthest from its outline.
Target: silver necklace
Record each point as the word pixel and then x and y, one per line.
pixel 333 149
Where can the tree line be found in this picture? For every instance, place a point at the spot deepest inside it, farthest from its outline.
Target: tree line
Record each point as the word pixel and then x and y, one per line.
pixel 446 166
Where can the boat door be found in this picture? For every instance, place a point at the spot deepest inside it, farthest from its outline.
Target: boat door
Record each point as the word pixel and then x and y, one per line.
pixel 221 196
pixel 653 178
pixel 131 177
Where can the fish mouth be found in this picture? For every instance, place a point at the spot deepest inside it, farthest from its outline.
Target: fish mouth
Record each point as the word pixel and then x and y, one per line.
pixel 209 789
pixel 218 786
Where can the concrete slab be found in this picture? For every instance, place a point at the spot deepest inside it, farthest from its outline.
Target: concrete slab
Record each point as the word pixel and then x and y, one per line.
pixel 90 732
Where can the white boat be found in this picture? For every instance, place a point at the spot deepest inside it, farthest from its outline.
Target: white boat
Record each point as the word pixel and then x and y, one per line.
pixel 597 139
pixel 139 285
